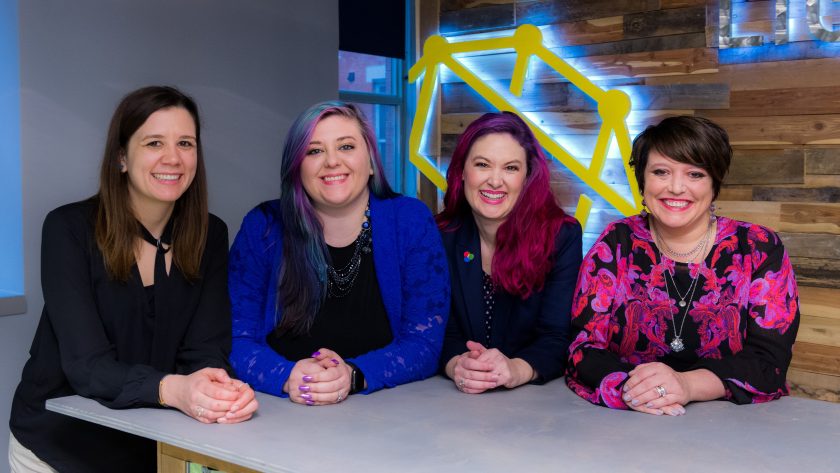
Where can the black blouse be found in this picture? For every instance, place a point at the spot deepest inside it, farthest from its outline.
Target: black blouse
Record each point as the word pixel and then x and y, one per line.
pixel 93 340
pixel 351 325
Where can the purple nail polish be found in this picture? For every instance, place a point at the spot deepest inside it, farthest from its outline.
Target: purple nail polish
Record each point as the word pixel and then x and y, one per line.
pixel 309 402
pixel 635 402
pixel 306 396
pixel 303 388
pixel 316 354
pixel 307 378
pixel 626 397
pixel 649 405
pixel 335 361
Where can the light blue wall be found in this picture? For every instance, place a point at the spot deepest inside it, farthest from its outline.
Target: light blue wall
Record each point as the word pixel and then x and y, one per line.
pixel 11 243
pixel 251 65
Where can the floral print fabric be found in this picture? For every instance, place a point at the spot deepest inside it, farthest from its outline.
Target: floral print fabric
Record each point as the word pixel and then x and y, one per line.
pixel 740 324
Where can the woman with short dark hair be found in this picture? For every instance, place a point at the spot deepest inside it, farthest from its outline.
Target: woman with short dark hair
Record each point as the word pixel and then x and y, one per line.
pixel 677 305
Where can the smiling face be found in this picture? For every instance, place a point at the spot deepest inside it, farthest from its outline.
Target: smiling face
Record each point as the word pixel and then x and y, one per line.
pixel 494 174
pixel 678 195
pixel 160 159
pixel 337 166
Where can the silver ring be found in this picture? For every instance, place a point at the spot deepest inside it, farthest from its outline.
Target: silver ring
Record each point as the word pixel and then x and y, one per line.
pixel 661 390
pixel 340 397
pixel 461 384
pixel 199 411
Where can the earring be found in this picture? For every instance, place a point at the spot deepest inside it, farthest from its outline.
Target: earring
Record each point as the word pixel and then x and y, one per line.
pixel 644 212
pixel 712 216
pixel 123 167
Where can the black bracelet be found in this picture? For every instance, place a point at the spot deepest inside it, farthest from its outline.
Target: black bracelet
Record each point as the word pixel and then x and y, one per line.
pixel 357 379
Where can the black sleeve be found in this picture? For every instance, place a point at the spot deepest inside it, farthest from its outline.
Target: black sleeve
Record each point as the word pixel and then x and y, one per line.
pixel 88 357
pixel 208 337
pixel 547 354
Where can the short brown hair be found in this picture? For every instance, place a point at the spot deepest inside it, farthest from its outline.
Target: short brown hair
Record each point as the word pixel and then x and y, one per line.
pixel 117 230
pixel 685 139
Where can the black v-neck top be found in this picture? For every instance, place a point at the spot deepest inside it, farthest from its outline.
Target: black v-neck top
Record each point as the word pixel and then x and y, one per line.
pixel 110 341
pixel 351 325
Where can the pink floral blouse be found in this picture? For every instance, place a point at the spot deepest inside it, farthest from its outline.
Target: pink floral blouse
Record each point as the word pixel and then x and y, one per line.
pixel 740 323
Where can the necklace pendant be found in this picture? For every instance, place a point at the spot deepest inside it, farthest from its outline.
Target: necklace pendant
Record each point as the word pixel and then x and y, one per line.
pixel 681 303
pixel 677 344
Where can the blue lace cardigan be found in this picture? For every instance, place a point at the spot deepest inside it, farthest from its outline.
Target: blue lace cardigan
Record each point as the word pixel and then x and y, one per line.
pixel 413 278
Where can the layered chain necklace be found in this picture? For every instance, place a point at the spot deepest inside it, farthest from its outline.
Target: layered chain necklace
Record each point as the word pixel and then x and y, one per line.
pixel 340 281
pixel 677 344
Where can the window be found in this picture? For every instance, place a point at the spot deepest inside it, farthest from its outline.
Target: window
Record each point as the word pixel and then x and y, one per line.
pixel 375 84
pixel 11 231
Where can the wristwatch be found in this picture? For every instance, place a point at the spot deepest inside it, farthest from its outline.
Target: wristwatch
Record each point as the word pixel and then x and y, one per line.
pixel 357 379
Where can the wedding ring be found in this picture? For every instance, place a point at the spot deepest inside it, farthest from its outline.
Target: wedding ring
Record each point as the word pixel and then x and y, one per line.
pixel 661 390
pixel 461 384
pixel 340 397
pixel 199 411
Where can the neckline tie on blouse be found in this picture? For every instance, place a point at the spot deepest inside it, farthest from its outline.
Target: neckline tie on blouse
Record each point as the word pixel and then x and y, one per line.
pixel 160 258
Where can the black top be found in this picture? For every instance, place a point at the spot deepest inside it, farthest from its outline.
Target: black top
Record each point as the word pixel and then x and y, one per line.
pixel 99 338
pixel 535 329
pixel 351 325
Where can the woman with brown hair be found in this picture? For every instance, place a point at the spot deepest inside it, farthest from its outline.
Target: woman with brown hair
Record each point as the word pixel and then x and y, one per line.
pixel 136 312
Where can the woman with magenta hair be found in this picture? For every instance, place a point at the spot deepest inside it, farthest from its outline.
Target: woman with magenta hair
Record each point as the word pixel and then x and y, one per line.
pixel 513 258
pixel 678 305
pixel 340 286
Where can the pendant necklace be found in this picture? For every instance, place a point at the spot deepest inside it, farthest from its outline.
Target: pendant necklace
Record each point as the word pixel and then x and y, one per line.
pixel 340 281
pixel 677 344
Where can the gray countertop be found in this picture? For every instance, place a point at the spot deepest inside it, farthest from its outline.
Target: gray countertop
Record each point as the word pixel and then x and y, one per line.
pixel 429 426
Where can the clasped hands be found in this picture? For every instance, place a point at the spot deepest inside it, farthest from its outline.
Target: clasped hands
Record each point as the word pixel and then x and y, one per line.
pixel 655 388
pixel 481 369
pixel 322 379
pixel 209 395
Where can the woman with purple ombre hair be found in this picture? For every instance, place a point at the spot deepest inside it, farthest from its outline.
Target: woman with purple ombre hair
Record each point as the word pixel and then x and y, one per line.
pixel 513 258
pixel 321 308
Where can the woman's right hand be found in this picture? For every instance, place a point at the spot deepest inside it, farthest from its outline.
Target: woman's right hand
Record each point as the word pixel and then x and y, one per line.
pixel 470 375
pixel 205 395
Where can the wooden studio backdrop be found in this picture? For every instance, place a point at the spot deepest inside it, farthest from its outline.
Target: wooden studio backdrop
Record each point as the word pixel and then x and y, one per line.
pixel 776 93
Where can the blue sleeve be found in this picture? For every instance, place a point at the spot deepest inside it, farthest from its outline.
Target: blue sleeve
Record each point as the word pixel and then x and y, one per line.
pixel 424 283
pixel 252 267
pixel 547 354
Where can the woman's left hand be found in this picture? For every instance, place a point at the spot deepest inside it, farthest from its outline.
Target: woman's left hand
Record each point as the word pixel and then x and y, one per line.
pixel 243 407
pixel 332 385
pixel 511 373
pixel 656 388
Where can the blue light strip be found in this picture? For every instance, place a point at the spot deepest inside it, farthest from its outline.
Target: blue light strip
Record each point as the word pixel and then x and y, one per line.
pixel 11 233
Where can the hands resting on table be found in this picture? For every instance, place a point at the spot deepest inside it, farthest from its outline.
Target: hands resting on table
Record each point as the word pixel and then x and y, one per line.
pixel 655 388
pixel 480 369
pixel 209 395
pixel 319 380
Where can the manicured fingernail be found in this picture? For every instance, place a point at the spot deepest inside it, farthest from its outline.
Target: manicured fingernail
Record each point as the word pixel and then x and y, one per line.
pixel 625 388
pixel 307 378
pixel 649 405
pixel 626 397
pixel 306 396
pixel 682 410
pixel 303 388
pixel 635 402
pixel 316 354
pixel 334 361
pixel 658 412
pixel 310 402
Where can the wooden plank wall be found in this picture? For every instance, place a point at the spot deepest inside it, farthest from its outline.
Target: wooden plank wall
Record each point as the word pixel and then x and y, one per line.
pixel 780 106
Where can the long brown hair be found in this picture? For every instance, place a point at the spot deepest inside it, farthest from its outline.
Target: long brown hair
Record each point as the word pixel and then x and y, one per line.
pixel 117 229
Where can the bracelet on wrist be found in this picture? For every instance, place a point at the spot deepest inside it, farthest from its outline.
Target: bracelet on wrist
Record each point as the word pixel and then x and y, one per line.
pixel 160 393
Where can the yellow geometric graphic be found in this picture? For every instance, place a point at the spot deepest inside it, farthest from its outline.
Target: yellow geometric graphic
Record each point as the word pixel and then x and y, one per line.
pixel 613 108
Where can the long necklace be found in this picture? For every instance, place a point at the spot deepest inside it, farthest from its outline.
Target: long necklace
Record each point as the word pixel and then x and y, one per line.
pixel 677 343
pixel 340 281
